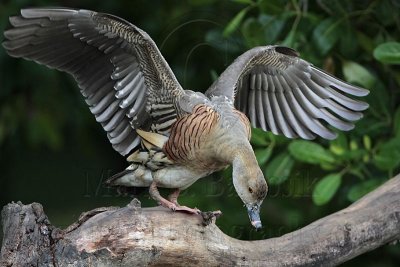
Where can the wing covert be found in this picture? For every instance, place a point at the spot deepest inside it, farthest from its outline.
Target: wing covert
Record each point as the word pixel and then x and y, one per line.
pixel 118 67
pixel 285 94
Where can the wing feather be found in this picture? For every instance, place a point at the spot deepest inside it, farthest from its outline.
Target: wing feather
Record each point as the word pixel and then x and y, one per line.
pixel 296 98
pixel 119 69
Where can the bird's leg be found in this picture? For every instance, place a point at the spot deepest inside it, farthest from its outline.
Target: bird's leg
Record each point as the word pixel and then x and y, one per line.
pixel 157 197
pixel 173 197
pixel 168 204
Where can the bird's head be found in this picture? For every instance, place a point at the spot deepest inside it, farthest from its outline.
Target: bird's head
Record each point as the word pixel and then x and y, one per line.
pixel 251 186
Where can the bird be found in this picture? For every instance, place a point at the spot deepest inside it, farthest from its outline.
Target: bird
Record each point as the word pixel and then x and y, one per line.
pixel 171 136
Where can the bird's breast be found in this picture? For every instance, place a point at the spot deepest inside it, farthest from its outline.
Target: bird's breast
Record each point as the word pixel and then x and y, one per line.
pixel 196 139
pixel 189 134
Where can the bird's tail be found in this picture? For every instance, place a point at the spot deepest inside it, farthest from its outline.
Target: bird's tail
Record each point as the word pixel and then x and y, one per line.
pixel 135 175
pixel 132 181
pixel 144 162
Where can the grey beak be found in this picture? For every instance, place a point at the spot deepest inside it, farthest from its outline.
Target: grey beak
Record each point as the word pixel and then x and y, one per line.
pixel 254 215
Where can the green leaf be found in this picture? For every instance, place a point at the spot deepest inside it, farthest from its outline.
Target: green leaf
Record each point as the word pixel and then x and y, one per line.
pixel 258 137
pixel 371 126
pixel 279 169
pixel 378 99
pixel 326 188
pixel 326 34
pixel 353 145
pixel 273 7
pixel 290 39
pixel 328 166
pixel 388 53
pixel 263 154
pixel 356 154
pixel 276 139
pixel 347 45
pixel 339 145
pixel 359 190
pixel 310 152
pixel 367 142
pixel 355 73
pixel 386 13
pixel 356 171
pixel 335 8
pixel 365 42
pixel 272 26
pixel 251 31
pixel 235 22
pixel 388 156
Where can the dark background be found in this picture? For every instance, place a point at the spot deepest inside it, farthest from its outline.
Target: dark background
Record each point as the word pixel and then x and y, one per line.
pixel 53 152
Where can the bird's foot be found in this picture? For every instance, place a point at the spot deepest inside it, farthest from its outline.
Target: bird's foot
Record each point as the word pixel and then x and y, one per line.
pixel 208 216
pixel 176 207
pixel 187 209
pixel 167 204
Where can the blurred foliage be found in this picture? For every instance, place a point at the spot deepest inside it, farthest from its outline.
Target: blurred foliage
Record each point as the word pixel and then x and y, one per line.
pixel 52 151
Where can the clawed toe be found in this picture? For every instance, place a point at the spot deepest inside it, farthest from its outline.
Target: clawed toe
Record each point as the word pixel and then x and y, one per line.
pixel 188 210
pixel 172 204
pixel 208 216
pixel 168 205
pixel 174 207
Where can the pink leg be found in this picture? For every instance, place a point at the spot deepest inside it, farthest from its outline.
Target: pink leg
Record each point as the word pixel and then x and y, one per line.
pixel 173 197
pixel 173 205
pixel 157 197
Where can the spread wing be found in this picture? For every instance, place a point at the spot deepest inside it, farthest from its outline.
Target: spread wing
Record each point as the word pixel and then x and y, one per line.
pixel 284 94
pixel 120 71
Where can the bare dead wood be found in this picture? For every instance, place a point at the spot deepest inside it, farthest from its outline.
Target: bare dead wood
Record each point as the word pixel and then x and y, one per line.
pixel 132 236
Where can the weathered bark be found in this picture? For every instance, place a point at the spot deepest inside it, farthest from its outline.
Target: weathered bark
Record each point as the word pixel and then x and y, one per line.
pixel 132 236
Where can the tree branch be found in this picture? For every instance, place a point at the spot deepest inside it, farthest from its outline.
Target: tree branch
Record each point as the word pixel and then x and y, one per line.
pixel 132 236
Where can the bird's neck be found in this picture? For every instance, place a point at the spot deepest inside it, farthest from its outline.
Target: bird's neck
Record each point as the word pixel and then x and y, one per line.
pixel 244 162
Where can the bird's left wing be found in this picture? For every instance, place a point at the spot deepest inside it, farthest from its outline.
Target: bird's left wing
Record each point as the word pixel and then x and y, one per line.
pixel 285 94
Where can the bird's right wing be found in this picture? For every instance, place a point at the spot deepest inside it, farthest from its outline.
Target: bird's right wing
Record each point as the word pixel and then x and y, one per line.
pixel 120 71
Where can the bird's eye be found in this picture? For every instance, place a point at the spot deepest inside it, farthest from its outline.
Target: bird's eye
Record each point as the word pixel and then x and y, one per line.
pixel 250 190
